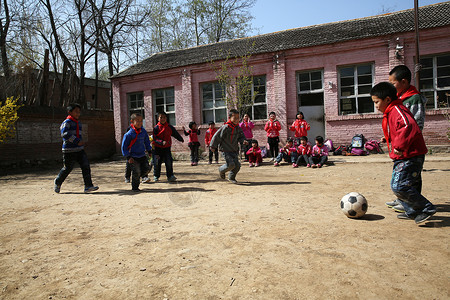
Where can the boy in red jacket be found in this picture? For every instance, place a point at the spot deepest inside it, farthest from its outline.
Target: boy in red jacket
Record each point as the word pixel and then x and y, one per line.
pixel 407 148
pixel 208 137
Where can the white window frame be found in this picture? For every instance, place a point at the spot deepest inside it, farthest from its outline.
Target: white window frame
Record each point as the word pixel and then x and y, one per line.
pixel 435 89
pixel 355 95
pixel 171 114
pixel 253 95
pixel 137 109
pixel 310 91
pixel 213 108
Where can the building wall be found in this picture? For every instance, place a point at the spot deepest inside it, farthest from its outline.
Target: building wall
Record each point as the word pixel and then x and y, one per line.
pixel 281 88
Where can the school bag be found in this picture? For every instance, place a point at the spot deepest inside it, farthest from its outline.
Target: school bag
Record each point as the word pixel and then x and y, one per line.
pixel 359 151
pixel 340 150
pixel 329 144
pixel 373 146
pixel 358 141
pixel 263 151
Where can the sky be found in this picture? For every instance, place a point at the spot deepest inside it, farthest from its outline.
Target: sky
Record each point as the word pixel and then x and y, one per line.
pixel 275 15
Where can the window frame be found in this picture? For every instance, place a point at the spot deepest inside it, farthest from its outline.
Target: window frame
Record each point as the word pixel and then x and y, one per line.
pixel 435 89
pixel 254 98
pixel 310 91
pixel 213 108
pixel 355 94
pixel 171 115
pixel 140 109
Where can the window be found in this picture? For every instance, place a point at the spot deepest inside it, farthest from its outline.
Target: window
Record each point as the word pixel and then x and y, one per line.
pixel 310 88
pixel 164 101
pixel 214 106
pixel 136 104
pixel 435 81
pixel 258 111
pixel 355 85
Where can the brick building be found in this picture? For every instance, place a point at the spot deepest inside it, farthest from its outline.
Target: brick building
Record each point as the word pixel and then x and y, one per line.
pixel 326 71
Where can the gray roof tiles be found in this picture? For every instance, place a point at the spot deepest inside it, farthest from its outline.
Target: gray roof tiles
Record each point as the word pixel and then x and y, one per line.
pixel 431 16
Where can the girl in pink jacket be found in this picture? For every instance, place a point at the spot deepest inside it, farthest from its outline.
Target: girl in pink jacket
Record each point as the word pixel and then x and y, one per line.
pixel 273 136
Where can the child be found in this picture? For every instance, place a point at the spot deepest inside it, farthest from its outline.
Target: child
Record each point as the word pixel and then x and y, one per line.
pixel 73 150
pixel 400 77
pixel 273 136
pixel 300 127
pixel 304 152
pixel 319 153
pixel 407 149
pixel 208 137
pixel 247 126
pixel 254 155
pixel 193 144
pixel 289 153
pixel 162 137
pixel 228 138
pixel 145 179
pixel 134 144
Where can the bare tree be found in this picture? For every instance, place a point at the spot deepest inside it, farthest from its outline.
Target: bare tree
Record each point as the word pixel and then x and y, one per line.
pixel 5 21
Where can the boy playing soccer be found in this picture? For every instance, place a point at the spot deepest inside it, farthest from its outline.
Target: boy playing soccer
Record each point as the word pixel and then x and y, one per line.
pixel 407 148
pixel 162 137
pixel 73 150
pixel 227 138
pixel 134 144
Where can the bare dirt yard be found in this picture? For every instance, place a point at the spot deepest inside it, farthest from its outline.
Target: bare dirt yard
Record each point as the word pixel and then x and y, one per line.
pixel 278 234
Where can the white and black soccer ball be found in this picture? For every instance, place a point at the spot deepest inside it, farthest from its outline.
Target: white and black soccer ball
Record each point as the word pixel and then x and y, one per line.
pixel 354 205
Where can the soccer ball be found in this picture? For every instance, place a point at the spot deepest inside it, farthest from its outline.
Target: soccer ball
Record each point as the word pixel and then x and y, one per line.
pixel 354 205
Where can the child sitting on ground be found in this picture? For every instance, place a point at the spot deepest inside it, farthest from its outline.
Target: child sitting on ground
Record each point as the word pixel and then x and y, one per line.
pixel 134 144
pixel 162 137
pixel 208 137
pixel 288 153
pixel 300 127
pixel 304 152
pixel 319 153
pixel 407 149
pixel 193 144
pixel 254 155
pixel 228 138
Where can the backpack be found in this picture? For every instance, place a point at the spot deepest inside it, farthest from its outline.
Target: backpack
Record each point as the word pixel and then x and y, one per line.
pixel 359 151
pixel 340 150
pixel 329 144
pixel 263 151
pixel 358 141
pixel 373 146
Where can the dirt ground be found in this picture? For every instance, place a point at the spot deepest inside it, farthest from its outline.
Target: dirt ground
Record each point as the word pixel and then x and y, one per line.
pixel 278 234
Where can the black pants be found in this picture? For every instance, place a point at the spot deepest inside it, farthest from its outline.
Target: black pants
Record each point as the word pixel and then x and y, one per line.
pixel 215 153
pixel 194 151
pixel 303 159
pixel 162 155
pixel 314 160
pixel 69 160
pixel 139 168
pixel 273 144
pixel 245 148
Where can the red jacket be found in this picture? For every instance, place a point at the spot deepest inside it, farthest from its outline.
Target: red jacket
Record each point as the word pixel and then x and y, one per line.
pixel 272 128
pixel 254 151
pixel 300 127
pixel 209 135
pixel 402 132
pixel 304 150
pixel 163 133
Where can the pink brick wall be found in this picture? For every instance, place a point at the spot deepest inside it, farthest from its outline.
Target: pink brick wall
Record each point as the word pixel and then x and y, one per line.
pixel 281 88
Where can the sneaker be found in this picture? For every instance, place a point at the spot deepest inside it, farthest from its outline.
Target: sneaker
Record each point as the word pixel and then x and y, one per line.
pixel 127 180
pixel 222 175
pixel 217 162
pixel 392 203
pixel 232 180
pixel 294 165
pixel 399 208
pixel 172 178
pixel 257 165
pixel 192 164
pixel 145 179
pixel 90 189
pixel 251 165
pixel 404 216
pixel 276 164
pixel 319 166
pixel 57 188
pixel 308 166
pixel 422 217
pixel 155 179
pixel 210 163
pixel 136 190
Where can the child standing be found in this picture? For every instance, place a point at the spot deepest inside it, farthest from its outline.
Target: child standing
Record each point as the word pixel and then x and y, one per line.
pixel 289 153
pixel 228 138
pixel 300 127
pixel 73 150
pixel 134 144
pixel 193 144
pixel 273 128
pixel 254 155
pixel 407 149
pixel 247 126
pixel 319 153
pixel 162 137
pixel 304 152
pixel 208 137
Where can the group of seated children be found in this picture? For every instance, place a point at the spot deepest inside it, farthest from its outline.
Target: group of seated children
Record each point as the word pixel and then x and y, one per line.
pixel 304 154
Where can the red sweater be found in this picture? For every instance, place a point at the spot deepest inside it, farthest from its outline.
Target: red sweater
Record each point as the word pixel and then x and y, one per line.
pixel 272 128
pixel 300 127
pixel 304 150
pixel 402 132
pixel 254 151
pixel 209 135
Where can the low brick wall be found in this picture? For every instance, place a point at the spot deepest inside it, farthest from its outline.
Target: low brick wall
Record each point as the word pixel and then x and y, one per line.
pixel 38 139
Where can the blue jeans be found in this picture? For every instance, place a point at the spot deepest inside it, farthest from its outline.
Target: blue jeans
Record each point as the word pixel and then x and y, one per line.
pixel 162 155
pixel 232 164
pixel 406 183
pixel 287 158
pixel 69 160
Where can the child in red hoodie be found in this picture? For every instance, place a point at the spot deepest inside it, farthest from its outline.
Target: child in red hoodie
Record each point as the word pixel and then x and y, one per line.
pixel 254 155
pixel 208 137
pixel 273 136
pixel 193 144
pixel 407 149
pixel 300 127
